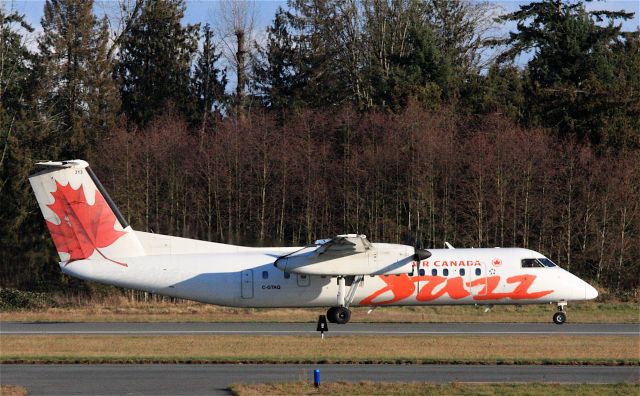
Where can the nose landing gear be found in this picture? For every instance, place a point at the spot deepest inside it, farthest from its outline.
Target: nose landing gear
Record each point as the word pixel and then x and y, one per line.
pixel 560 317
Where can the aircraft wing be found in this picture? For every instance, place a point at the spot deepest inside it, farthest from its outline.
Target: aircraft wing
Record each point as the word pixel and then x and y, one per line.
pixel 350 254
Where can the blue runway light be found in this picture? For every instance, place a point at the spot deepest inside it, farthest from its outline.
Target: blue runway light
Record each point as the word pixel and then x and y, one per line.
pixel 316 378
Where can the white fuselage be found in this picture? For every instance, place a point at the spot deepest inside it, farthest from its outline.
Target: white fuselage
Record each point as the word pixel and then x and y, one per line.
pixel 95 242
pixel 247 277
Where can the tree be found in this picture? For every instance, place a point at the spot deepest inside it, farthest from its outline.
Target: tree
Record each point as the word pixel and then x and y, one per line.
pixel 328 51
pixel 209 81
pixel 460 28
pixel 25 251
pixel 571 69
pixel 276 74
pixel 236 30
pixel 75 75
pixel 155 58
pixel 103 101
pixel 15 62
pixel 374 53
pixel 421 73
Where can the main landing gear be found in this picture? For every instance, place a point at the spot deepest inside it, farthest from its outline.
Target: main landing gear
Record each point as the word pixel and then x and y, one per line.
pixel 341 314
pixel 560 317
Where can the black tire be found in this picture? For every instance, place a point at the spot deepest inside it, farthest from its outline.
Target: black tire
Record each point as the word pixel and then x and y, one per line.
pixel 332 314
pixel 342 315
pixel 559 318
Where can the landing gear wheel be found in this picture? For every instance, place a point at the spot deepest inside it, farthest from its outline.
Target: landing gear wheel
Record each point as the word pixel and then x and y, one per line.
pixel 338 315
pixel 559 318
pixel 331 314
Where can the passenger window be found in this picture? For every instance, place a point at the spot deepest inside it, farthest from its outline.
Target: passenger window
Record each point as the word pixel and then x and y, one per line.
pixel 422 272
pixel 265 274
pixel 303 277
pixel 461 271
pixel 531 263
pixel 434 272
pixel 478 271
pixel 445 272
pixel 287 275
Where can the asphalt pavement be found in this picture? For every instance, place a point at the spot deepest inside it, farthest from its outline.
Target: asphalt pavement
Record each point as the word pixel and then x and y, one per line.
pixel 210 379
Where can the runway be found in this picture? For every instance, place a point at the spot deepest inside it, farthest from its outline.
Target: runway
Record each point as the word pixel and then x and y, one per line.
pixel 351 329
pixel 214 379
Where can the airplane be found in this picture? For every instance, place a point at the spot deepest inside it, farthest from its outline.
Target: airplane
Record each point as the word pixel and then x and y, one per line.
pixel 96 243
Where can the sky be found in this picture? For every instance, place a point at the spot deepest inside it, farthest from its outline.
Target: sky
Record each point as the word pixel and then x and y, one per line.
pixel 206 11
pixel 203 11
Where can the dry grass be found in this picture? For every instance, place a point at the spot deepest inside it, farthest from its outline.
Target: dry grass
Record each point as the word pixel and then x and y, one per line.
pixel 303 349
pixel 415 388
pixel 124 311
pixel 12 390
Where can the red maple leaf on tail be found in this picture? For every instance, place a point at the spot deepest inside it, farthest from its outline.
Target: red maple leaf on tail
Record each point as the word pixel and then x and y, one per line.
pixel 83 228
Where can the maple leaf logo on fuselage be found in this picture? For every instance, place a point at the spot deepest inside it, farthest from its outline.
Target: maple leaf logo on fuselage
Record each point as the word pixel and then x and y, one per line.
pixel 83 228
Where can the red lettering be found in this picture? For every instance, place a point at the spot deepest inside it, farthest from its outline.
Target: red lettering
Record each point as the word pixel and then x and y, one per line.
pixel 426 290
pixel 455 288
pixel 487 293
pixel 401 287
pixel 404 286
pixel 521 292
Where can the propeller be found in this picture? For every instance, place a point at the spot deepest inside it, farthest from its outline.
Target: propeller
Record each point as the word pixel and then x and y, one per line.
pixel 421 254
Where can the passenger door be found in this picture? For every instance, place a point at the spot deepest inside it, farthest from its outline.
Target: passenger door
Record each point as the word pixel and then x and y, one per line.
pixel 247 283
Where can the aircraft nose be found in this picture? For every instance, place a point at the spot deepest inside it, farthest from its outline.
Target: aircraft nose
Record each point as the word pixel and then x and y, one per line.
pixel 589 292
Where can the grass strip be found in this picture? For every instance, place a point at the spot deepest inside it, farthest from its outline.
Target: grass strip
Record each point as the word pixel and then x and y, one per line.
pixel 12 390
pixel 416 388
pixel 418 349
pixel 588 312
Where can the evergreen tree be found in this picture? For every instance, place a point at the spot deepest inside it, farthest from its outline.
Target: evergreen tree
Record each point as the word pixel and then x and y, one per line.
pixel 103 99
pixel 501 91
pixel 155 61
pixel 572 68
pixel 16 64
pixel 277 80
pixel 328 51
pixel 26 252
pixel 209 81
pixel 370 54
pixel 75 76
pixel 421 73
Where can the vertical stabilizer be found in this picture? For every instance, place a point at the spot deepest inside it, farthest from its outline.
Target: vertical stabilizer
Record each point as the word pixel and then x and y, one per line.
pixel 83 220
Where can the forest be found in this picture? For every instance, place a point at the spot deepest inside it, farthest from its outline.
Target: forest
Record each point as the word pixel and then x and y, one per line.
pixel 410 121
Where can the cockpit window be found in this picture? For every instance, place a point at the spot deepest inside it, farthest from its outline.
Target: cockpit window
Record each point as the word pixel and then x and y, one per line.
pixel 531 263
pixel 547 263
pixel 537 263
